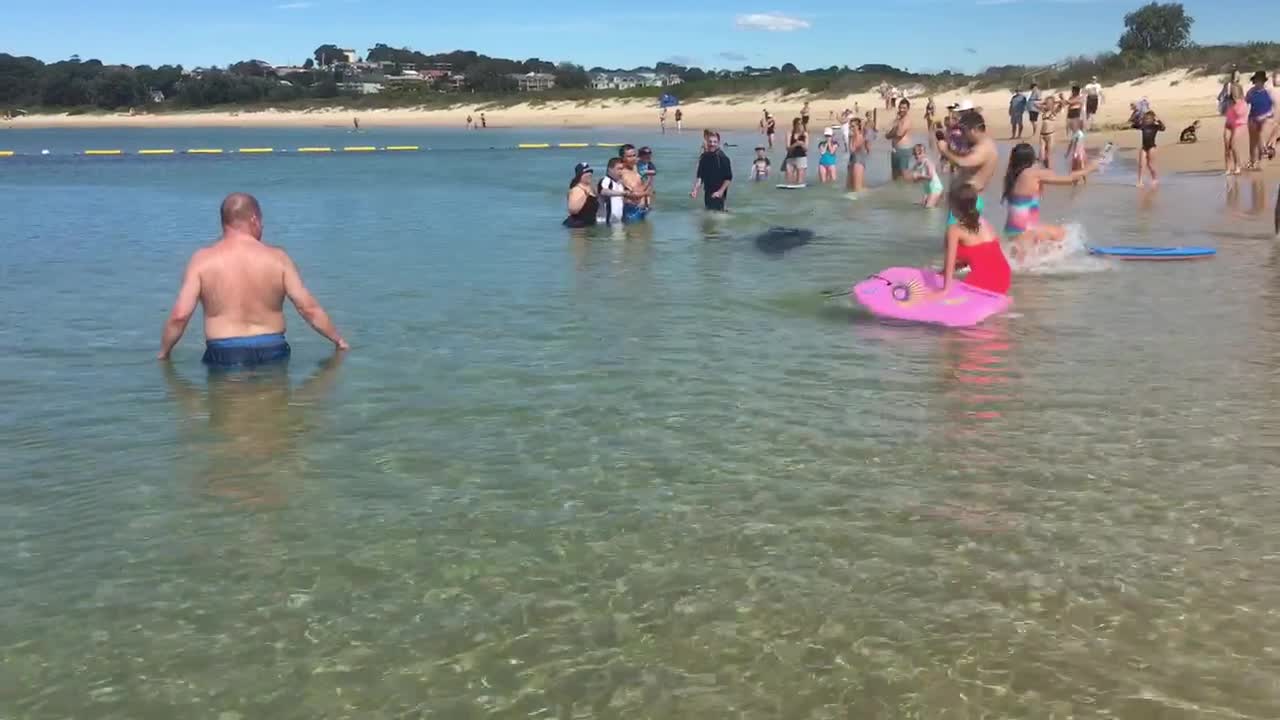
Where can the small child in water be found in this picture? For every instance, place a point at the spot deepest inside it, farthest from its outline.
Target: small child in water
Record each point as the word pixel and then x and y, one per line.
pixel 1150 125
pixel 925 172
pixel 761 166
pixel 648 171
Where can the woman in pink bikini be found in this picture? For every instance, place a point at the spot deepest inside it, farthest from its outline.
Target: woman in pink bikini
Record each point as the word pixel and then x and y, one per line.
pixel 1236 126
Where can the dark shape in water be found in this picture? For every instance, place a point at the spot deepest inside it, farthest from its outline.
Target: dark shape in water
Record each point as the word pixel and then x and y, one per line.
pixel 778 240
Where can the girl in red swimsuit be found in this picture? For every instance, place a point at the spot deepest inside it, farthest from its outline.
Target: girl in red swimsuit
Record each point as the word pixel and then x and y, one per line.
pixel 971 242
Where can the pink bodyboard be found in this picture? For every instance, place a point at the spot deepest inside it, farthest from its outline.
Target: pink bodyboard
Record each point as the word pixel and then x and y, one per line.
pixel 908 294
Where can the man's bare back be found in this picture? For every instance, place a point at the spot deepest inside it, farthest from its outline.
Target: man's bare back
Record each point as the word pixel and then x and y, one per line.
pixel 979 165
pixel 242 283
pixel 242 287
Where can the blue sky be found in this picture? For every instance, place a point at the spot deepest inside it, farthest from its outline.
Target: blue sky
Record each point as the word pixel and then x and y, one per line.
pixel 920 35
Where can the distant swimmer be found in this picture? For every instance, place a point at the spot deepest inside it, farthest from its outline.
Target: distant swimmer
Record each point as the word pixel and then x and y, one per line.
pixel 977 166
pixel 582 202
pixel 242 282
pixel 1023 185
pixel 761 166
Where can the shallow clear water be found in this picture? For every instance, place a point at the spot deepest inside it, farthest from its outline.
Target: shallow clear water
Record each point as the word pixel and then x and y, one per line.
pixel 646 475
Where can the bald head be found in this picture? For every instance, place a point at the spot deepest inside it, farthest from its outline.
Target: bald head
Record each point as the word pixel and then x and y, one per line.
pixel 242 212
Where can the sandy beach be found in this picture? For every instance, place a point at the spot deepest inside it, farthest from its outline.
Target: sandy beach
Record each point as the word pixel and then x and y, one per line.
pixel 1179 97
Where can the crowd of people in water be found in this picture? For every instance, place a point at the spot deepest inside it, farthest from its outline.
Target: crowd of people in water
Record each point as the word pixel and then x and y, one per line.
pixel 242 283
pixel 957 143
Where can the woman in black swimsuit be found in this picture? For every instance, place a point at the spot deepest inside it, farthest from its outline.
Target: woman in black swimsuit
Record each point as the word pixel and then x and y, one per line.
pixel 1150 126
pixel 582 201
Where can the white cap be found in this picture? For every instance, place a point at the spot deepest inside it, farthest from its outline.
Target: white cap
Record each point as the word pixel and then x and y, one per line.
pixel 828 131
pixel 965 104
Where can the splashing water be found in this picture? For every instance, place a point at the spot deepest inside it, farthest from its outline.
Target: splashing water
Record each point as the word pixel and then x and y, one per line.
pixel 1071 256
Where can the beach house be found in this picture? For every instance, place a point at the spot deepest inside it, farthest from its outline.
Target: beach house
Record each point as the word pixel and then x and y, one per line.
pixel 534 81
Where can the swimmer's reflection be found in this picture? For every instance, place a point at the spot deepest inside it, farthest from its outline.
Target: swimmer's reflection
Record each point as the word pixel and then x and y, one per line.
pixel 256 421
pixel 628 242
pixel 977 382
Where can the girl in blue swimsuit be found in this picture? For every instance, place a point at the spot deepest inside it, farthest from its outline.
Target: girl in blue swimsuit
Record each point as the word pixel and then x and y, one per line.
pixel 827 157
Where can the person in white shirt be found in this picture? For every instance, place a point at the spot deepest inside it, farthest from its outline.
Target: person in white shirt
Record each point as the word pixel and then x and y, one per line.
pixel 611 192
pixel 1092 98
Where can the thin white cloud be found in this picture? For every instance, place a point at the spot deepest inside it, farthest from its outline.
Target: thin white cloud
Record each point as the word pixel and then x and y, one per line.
pixel 770 22
pixel 294 6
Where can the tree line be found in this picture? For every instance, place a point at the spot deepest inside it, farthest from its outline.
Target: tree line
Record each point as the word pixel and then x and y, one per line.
pixel 1157 37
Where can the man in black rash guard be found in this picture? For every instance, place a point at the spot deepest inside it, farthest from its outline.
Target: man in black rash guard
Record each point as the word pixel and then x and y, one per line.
pixel 715 174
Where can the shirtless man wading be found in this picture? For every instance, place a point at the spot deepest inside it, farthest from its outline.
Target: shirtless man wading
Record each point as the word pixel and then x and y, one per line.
pixel 242 282
pixel 633 209
pixel 900 160
pixel 977 166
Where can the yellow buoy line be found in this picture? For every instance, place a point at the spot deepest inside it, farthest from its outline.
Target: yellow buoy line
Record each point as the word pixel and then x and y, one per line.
pixel 305 150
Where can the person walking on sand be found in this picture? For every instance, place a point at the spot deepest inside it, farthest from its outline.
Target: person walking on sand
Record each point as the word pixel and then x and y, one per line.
pixel 484 123
pixel 899 134
pixel 1092 99
pixel 679 121
pixel 715 175
pixel 1034 106
pixel 241 282
pixel 1235 127
pixel 1017 109
pixel 1261 120
pixel 1150 126
pixel 469 122
pixel 662 120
